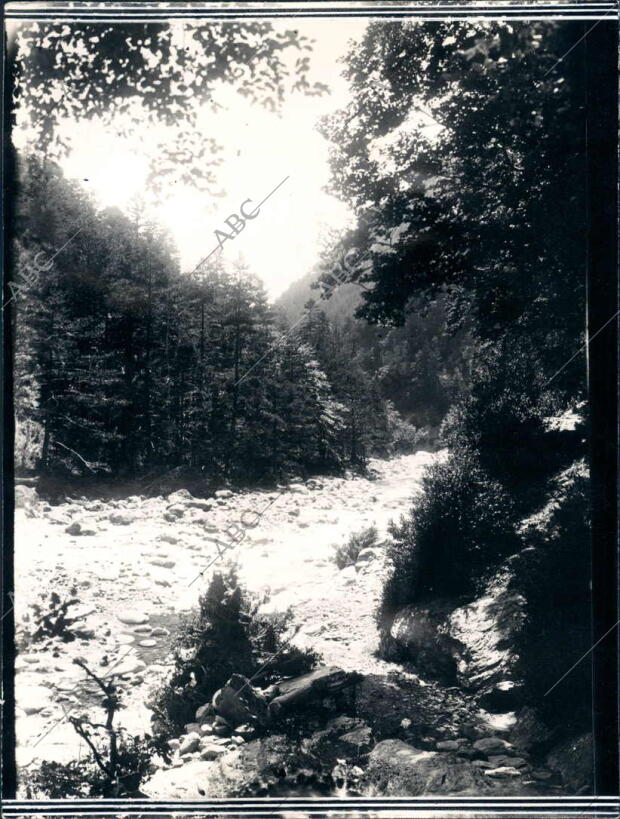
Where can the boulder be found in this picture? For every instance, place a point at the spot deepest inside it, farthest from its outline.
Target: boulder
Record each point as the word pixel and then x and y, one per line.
pixel 25 496
pixel 422 635
pixel 203 711
pixel 492 745
pixel 367 555
pixel 574 761
pixel 80 528
pixel 180 496
pixel 239 703
pixel 398 769
pixel 357 742
pixel 122 518
pixel 211 752
pixel 222 494
pixel 199 503
pixel 319 683
pixel 447 745
pixel 189 743
pixel 529 732
pixel 297 489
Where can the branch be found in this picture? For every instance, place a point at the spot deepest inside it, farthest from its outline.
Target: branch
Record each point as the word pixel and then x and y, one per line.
pixel 58 443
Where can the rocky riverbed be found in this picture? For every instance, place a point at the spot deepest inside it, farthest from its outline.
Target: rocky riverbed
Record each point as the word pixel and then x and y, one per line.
pixel 136 564
pixel 133 566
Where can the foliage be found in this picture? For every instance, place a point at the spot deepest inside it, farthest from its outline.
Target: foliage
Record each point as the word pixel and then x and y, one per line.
pixel 226 635
pixel 157 75
pixel 154 371
pixel 115 766
pixel 347 553
pixel 553 574
pixel 452 152
pixel 50 618
pixel 459 529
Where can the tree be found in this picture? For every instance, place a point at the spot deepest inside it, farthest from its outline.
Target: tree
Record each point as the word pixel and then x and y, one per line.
pixel 127 75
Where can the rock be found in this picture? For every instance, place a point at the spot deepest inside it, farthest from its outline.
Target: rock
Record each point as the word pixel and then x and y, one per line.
pixel 529 732
pixel 206 729
pixel 79 528
pixel 131 618
pixel 422 635
pixel 322 681
pixel 297 489
pixel 160 561
pixel 222 730
pixel 147 643
pixel 25 496
pixel 180 496
pixel 358 741
pixel 160 632
pixel 574 761
pixel 173 744
pixel 189 743
pixel 176 510
pixel 212 752
pixel 367 554
pixel 398 769
pixel 199 503
pixel 542 775
pixel 168 539
pixel 122 518
pixel 503 761
pixel 502 773
pixel 490 745
pixel 222 494
pixel 203 711
pixel 240 703
pixel 447 745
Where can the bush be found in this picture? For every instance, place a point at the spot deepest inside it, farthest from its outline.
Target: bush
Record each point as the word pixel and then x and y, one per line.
pixel 553 575
pixel 84 778
pixel 459 529
pixel 347 553
pixel 226 635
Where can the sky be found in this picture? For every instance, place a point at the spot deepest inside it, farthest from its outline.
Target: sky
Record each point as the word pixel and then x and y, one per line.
pixel 261 149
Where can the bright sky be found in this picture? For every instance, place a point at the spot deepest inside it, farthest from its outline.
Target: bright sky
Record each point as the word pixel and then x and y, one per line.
pixel 261 149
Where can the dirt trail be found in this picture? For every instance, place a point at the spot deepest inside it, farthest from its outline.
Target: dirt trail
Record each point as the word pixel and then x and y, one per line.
pixel 138 569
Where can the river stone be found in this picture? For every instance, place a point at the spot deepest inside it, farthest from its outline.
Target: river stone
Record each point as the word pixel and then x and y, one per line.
pixel 160 632
pixel 502 773
pixel 189 743
pixel 398 769
pixel 25 496
pixel 79 528
pixel 447 745
pixel 147 643
pixel 135 618
pixel 203 711
pixel 223 494
pixel 168 539
pixel 162 562
pixel 240 703
pixel 122 518
pixel 490 745
pixel 212 752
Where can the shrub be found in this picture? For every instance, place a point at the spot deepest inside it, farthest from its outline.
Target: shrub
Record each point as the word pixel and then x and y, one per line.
pixel 117 762
pixel 554 575
pixel 225 635
pixel 459 528
pixel 347 553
